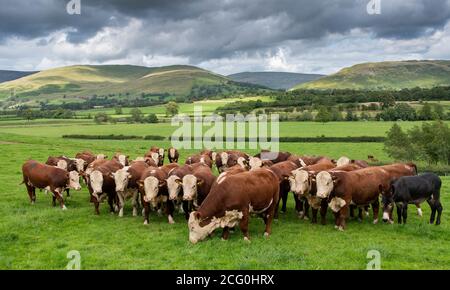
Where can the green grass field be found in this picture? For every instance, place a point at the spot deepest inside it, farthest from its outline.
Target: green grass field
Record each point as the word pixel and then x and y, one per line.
pixel 40 236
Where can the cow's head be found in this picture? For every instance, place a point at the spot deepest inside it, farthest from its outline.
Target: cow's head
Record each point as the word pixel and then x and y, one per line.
pixel 123 159
pixel 343 161
pixel 325 183
pixel 155 157
pixel 96 181
pixel 62 164
pixel 172 152
pixel 241 161
pixel 151 186
pixel 224 158
pixel 213 156
pixel 300 182
pixel 174 184
pixel 200 228
pixel 101 156
pixel 74 180
pixel 190 184
pixel 336 204
pixel 161 152
pixel 255 163
pixel 121 178
pixel 79 163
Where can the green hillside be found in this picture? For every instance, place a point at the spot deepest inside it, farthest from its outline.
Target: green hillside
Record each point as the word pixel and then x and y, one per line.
pixel 111 80
pixel 386 75
pixel 274 80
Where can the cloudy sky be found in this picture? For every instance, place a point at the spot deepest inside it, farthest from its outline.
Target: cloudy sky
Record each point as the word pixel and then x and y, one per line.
pixel 225 36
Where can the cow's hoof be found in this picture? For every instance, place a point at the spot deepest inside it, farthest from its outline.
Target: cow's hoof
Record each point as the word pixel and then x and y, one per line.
pixel 375 221
pixel 419 212
pixel 335 226
pixel 306 218
pixel 340 228
pixel 390 222
pixel 64 207
pixel 266 234
pixel 145 222
pixel 246 239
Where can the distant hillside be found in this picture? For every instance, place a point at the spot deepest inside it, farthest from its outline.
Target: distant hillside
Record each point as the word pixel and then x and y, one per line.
pixel 274 80
pixel 117 80
pixel 386 75
pixel 10 75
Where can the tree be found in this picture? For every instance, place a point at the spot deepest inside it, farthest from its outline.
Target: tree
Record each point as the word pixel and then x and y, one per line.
pixel 336 115
pixel 350 116
pixel 398 145
pixel 136 115
pixel 323 115
pixel 171 109
pixel 387 101
pixel 118 110
pixel 425 112
pixel 438 112
pixel 151 118
pixel 101 118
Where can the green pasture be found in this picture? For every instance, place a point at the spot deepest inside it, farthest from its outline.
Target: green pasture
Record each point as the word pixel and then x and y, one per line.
pixel 40 236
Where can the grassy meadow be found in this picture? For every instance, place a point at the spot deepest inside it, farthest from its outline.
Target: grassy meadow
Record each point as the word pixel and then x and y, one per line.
pixel 40 236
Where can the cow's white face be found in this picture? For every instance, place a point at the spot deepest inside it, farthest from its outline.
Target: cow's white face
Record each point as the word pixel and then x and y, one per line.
pixel 255 163
pixel 173 186
pixel 213 156
pixel 151 189
pixel 172 152
pixel 74 180
pixel 96 180
pixel 122 159
pixel 155 157
pixel 198 233
pixel 62 164
pixel 101 156
pixel 241 161
pixel 324 183
pixel 161 152
pixel 299 182
pixel 121 178
pixel 224 158
pixel 189 187
pixel 336 204
pixel 343 161
pixel 80 164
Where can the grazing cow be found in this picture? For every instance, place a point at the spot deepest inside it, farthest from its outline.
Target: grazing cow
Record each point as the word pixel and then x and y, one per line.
pixel 126 184
pixel 196 187
pixel 48 177
pixel 274 157
pixel 230 158
pixel 68 164
pixel 255 163
pixel 413 190
pixel 361 187
pixel 173 155
pixel 101 183
pixel 199 158
pixel 122 158
pixel 232 201
pixel 283 170
pixel 153 189
pixel 303 183
pixel 210 153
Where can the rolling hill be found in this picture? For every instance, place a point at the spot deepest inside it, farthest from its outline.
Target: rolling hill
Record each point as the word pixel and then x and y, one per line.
pixel 83 81
pixel 274 80
pixel 386 75
pixel 10 75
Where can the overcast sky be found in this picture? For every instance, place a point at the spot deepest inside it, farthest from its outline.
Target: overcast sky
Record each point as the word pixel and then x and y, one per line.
pixel 225 36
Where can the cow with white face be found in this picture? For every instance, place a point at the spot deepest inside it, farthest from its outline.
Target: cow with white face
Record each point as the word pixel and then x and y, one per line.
pixel 300 182
pixel 153 189
pixel 79 163
pixel 173 155
pixel 255 163
pixel 343 161
pixel 196 186
pixel 325 184
pixel 121 178
pixel 121 158
pixel 101 156
pixel 74 180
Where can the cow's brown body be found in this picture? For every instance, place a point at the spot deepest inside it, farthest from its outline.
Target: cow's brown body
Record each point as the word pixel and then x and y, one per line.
pixel 283 170
pixel 233 200
pixel 106 167
pixel 363 187
pixel 43 176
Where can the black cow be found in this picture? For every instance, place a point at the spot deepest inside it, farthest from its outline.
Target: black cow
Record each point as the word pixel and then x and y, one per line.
pixel 413 190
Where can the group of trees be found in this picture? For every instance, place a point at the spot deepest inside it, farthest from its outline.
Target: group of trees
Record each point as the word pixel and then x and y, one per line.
pixel 29 114
pixel 430 143
pixel 136 116
pixel 405 112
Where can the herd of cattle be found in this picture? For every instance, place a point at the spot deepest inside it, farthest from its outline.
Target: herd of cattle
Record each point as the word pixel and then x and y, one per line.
pixel 246 185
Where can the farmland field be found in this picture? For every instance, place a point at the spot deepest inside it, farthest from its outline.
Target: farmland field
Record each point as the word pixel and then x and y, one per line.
pixel 39 236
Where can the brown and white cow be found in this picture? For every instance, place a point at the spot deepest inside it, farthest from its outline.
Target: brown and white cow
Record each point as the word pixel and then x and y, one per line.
pixel 360 187
pixel 274 157
pixel 283 170
pixel 232 201
pixel 199 158
pixel 255 163
pixel 122 158
pixel 173 155
pixel 157 154
pixel 126 180
pixel 101 183
pixel 196 186
pixel 53 179
pixel 345 160
pixel 87 156
pixel 229 158
pixel 303 184
pixel 153 189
